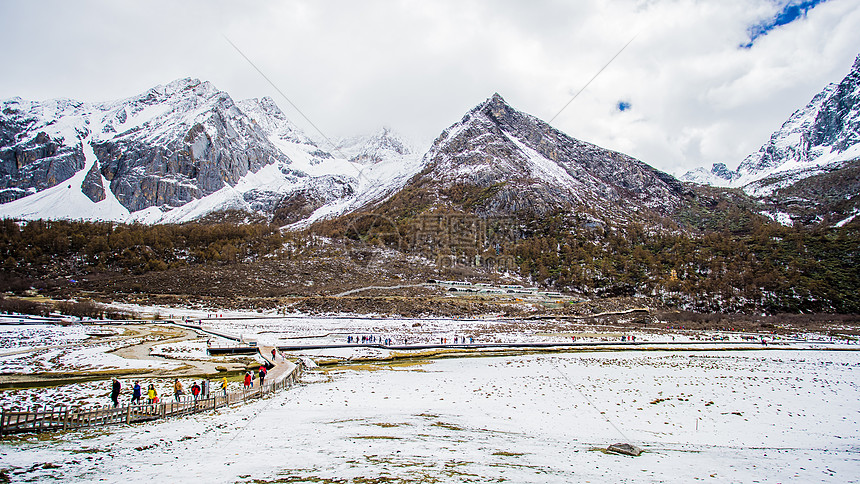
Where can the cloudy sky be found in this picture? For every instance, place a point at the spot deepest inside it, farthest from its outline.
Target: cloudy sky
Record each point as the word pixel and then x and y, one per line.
pixel 702 81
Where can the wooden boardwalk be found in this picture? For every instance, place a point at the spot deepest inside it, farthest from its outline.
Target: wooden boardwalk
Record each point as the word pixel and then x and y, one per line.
pixel 283 375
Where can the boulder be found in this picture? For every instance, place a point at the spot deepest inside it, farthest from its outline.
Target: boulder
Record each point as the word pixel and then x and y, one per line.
pixel 626 449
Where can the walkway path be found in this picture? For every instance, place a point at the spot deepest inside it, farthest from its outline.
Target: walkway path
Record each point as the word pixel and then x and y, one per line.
pixel 283 374
pixel 367 288
pixel 668 345
pixel 280 366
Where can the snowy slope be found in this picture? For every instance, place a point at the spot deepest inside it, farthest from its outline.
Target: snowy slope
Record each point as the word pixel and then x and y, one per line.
pixel 329 183
pixel 382 164
pixel 355 172
pixel 67 201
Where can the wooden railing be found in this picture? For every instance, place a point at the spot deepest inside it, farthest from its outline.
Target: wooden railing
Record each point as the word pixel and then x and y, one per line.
pixel 67 418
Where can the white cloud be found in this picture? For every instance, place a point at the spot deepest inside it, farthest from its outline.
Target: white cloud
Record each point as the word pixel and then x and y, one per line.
pixel 418 66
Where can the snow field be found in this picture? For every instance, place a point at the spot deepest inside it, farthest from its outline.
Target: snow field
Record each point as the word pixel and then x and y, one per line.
pixel 15 337
pixel 34 348
pixel 519 419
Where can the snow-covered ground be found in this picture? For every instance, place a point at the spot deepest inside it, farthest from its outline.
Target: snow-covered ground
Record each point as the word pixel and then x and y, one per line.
pixel 15 337
pixel 299 330
pixel 34 348
pixel 730 416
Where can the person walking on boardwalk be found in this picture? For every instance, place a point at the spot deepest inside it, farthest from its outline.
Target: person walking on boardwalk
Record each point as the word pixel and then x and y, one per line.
pixel 135 393
pixel 178 391
pixel 224 385
pixel 262 375
pixel 249 382
pixel 114 392
pixel 195 391
pixel 151 394
pixel 274 351
pixel 204 388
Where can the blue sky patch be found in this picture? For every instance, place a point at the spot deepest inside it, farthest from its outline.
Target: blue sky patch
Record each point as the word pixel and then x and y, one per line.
pixel 623 106
pixel 790 11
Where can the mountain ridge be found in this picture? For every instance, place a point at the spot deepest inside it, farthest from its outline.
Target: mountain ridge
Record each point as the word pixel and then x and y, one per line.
pixel 180 151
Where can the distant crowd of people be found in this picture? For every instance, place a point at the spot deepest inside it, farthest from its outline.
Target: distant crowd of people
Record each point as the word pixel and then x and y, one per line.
pixel 368 339
pixel 374 339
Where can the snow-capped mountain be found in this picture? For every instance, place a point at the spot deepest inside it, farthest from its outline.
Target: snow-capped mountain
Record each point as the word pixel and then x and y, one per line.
pixel 497 160
pixel 719 175
pixel 807 172
pixel 353 173
pixel 817 138
pixel 184 150
pixel 381 146
pixel 175 153
pixel 383 162
pixel 173 144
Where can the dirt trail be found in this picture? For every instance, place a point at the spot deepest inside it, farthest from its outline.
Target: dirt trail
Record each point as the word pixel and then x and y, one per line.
pixel 141 351
pixel 189 367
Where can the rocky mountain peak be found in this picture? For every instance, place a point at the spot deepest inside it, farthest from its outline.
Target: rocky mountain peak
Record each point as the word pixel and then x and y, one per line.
pixel 197 141
pixel 824 133
pixel 386 139
pixel 496 101
pixel 525 164
pixel 495 108
pixel 807 171
pixel 172 144
pixel 719 175
pixel 837 123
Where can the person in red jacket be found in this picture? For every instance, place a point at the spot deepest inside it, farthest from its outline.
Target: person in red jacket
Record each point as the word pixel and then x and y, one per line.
pixel 195 391
pixel 249 382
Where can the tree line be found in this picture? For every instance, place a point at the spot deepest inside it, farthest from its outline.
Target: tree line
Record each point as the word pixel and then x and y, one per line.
pixel 755 266
pixel 28 246
pixel 749 265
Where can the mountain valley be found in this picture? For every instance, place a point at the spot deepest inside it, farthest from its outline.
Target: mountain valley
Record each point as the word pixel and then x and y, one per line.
pixel 184 194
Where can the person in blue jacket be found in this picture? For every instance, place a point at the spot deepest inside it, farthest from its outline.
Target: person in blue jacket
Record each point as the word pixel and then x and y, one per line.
pixel 135 393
